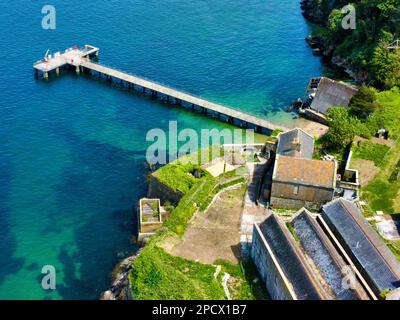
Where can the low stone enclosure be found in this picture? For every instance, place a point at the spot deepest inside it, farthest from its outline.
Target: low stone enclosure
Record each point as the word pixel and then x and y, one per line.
pixel 302 260
pixel 151 216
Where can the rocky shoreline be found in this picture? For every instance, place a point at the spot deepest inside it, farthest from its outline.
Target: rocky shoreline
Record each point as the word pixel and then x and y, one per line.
pixel 121 288
pixel 312 13
pixel 326 50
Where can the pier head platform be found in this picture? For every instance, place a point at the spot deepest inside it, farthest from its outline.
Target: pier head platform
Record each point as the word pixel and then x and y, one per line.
pixel 82 60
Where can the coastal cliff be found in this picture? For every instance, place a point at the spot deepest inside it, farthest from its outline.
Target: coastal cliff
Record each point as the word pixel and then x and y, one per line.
pixel 318 14
pixel 363 51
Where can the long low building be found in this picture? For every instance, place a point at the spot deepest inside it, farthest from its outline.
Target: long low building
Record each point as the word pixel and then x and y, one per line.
pixel 300 262
pixel 281 264
pixel 368 251
pixel 329 263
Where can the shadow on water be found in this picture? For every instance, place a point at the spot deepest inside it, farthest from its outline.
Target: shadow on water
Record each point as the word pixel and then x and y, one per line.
pixel 110 180
pixel 8 263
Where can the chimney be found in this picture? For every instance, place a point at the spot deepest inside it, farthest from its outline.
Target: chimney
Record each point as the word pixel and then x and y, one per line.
pixel 296 144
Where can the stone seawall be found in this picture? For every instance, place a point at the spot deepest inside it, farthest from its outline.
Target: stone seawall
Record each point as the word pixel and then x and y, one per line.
pixel 158 190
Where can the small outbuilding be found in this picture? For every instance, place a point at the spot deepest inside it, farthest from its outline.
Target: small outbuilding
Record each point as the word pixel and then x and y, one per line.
pixel 330 93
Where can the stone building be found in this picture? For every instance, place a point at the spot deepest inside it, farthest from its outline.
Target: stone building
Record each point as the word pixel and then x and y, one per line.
pixel 368 251
pixel 331 93
pixel 326 93
pixel 300 263
pixel 295 143
pixel 301 182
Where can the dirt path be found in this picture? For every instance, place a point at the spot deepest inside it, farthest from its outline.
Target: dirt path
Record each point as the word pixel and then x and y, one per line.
pixel 214 234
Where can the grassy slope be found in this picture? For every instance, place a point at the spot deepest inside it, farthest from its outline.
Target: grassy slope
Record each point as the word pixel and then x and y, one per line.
pixel 371 151
pixel 382 192
pixel 158 275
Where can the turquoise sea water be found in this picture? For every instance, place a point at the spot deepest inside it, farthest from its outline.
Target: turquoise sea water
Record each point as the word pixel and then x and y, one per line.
pixel 72 149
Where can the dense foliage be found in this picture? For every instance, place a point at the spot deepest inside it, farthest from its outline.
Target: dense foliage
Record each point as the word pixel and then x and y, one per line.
pixel 377 25
pixel 364 103
pixel 343 127
pixel 369 112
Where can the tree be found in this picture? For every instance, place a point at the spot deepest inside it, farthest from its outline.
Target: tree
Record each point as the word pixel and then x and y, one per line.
pixel 386 67
pixel 342 128
pixel 364 103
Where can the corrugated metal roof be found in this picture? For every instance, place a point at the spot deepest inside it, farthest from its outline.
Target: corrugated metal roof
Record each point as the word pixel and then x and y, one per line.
pixel 295 143
pixel 331 93
pixel 365 246
pixel 303 171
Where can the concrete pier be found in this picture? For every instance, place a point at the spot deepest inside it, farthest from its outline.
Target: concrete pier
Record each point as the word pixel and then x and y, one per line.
pixel 81 60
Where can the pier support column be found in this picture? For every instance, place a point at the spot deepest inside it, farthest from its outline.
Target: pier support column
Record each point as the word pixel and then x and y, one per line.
pixel 45 75
pixel 77 70
pixel 57 71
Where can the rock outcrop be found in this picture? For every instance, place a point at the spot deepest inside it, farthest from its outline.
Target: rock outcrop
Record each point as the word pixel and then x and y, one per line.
pixel 121 288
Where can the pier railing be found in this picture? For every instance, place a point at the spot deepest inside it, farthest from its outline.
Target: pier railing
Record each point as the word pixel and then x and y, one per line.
pixel 172 88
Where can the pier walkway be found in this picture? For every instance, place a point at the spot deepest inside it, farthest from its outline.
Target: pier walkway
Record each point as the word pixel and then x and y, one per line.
pixel 80 59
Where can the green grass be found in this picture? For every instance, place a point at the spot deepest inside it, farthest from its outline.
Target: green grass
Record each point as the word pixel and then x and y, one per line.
pixel 394 246
pixel 160 276
pixel 276 132
pixel 244 287
pixel 217 189
pixel 371 151
pixel 188 205
pixel 388 115
pixel 178 175
pixel 381 194
pixel 292 231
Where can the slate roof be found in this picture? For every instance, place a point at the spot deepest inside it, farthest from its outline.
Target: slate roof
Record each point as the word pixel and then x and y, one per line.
pixel 292 264
pixel 324 255
pixel 366 248
pixel 303 171
pixel 332 93
pixel 295 143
